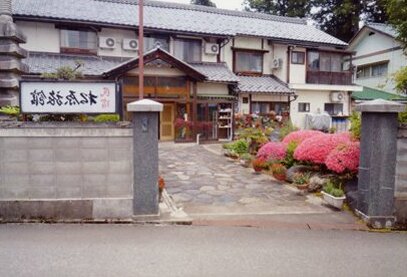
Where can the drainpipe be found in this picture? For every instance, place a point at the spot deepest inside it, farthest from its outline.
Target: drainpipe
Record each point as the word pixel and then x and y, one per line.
pixel 11 67
pixel 140 50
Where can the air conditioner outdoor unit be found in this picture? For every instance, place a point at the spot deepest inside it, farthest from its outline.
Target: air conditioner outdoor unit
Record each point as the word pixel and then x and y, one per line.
pixel 276 63
pixel 211 48
pixel 130 44
pixel 337 96
pixel 107 42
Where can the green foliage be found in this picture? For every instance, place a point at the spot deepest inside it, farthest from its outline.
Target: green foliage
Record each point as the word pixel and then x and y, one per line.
pixel 287 128
pixel 65 72
pixel 355 125
pixel 278 168
pixel 293 8
pixel 289 160
pixel 301 178
pixel 333 189
pixel 400 78
pixel 239 146
pixel 397 11
pixel 10 110
pixel 107 118
pixel 255 137
pixel 246 157
pixel 208 3
pixel 403 117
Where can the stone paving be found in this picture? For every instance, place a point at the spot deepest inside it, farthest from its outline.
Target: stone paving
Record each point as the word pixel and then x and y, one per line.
pixel 203 182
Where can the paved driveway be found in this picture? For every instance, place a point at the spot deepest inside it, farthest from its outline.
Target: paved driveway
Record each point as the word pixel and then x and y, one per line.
pixel 206 183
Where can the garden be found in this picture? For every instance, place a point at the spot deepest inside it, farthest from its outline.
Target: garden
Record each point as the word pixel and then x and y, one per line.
pixel 310 160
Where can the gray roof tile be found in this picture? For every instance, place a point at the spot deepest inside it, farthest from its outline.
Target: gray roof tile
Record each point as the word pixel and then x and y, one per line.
pixel 381 27
pixel 263 84
pixel 216 72
pixel 176 17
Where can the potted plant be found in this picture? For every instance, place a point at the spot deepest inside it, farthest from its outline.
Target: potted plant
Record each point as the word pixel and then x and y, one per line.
pixel 258 165
pixel 301 180
pixel 245 159
pixel 279 171
pixel 333 195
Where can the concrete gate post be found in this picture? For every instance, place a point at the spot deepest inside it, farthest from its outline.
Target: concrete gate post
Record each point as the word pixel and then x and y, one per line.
pixel 378 162
pixel 145 156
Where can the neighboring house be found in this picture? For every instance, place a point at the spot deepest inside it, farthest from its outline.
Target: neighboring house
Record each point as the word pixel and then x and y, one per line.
pixel 202 63
pixel 378 56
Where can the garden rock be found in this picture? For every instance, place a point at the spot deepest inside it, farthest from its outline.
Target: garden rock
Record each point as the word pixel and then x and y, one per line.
pixel 316 183
pixel 295 170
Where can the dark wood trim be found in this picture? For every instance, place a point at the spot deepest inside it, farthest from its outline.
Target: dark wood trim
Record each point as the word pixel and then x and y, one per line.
pixel 328 50
pixel 80 51
pixel 288 64
pixel 194 107
pixel 262 43
pixel 250 104
pixel 239 49
pixel 78 27
pixel 377 53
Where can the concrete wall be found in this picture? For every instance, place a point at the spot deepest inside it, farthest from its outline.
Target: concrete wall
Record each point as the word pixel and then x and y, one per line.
pixel 66 172
pixel 212 89
pixel 401 177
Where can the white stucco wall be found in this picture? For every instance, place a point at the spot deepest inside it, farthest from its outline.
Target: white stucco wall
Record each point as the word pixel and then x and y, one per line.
pixel 158 71
pixel 212 89
pixel 243 108
pixel 317 100
pixel 41 37
pixel 118 35
pixel 298 71
pixel 280 52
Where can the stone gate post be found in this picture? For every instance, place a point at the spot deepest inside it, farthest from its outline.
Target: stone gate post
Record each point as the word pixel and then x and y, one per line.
pixel 145 156
pixel 378 151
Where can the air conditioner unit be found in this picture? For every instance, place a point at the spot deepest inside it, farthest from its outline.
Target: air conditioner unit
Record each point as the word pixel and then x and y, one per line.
pixel 130 44
pixel 276 63
pixel 337 96
pixel 107 42
pixel 211 48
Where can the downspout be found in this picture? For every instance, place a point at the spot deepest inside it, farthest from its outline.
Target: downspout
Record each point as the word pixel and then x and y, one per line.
pixel 140 51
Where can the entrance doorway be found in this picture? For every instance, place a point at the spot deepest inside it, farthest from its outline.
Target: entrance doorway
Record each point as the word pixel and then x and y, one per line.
pixel 167 122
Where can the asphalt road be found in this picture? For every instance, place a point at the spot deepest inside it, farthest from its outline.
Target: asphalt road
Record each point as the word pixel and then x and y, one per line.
pixel 134 250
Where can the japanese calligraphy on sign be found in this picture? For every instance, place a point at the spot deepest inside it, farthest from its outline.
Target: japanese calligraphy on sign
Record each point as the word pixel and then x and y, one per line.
pixel 67 97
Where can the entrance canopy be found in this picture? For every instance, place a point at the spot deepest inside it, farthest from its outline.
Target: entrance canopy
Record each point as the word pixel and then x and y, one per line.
pixel 151 56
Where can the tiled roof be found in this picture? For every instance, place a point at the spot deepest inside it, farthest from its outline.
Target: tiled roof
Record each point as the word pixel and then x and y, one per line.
pixel 371 94
pixel 384 28
pixel 262 84
pixel 176 17
pixel 95 66
pixel 216 72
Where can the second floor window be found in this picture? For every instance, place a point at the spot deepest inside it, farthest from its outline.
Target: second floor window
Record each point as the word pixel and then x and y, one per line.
pixel 248 62
pixel 297 57
pixel 188 50
pixel 324 61
pixel 372 70
pixel 78 41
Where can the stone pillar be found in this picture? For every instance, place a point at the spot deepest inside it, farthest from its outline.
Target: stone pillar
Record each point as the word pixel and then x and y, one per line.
pixel 145 156
pixel 11 54
pixel 378 162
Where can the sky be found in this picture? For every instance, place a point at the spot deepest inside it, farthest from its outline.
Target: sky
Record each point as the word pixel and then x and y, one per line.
pixel 223 4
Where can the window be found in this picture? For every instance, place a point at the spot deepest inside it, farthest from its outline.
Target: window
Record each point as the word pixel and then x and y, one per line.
pixel 303 107
pixel 188 50
pixel 297 57
pixel 334 108
pixel 313 60
pixel 324 61
pixel 78 41
pixel 375 70
pixel 248 62
pixel 245 100
pixel 267 107
pixel 152 42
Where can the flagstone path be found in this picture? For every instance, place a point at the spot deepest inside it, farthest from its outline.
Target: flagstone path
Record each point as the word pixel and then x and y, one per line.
pixel 203 182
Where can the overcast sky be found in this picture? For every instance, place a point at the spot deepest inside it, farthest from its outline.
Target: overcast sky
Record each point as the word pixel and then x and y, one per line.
pixel 223 4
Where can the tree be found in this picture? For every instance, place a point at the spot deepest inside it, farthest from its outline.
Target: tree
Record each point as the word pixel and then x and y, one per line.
pixel 208 3
pixel 400 78
pixel 397 10
pixel 293 8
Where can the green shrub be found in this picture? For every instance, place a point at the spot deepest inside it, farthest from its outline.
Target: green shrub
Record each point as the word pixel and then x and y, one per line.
pixel 302 178
pixel 355 125
pixel 287 128
pixel 107 118
pixel 239 146
pixel 246 157
pixel 403 117
pixel 289 160
pixel 333 189
pixel 10 110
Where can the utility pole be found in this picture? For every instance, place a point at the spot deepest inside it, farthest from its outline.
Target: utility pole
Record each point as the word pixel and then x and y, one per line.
pixel 140 51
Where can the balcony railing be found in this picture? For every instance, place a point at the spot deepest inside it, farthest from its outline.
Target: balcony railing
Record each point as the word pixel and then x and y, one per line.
pixel 329 78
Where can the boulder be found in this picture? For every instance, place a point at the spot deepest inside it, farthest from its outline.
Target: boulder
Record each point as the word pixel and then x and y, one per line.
pixel 316 183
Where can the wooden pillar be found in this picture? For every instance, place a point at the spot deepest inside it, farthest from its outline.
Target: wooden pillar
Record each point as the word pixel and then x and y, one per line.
pixel 188 103
pixel 195 107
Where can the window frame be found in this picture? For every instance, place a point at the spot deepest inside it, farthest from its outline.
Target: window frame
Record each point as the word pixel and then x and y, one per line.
pixel 248 51
pixel 78 50
pixel 307 105
pixel 369 68
pixel 333 105
pixel 188 40
pixel 302 54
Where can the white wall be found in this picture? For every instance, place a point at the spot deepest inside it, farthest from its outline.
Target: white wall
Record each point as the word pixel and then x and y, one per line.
pixel 41 37
pixel 298 71
pixel 158 71
pixel 280 52
pixel 118 35
pixel 243 108
pixel 317 100
pixel 212 89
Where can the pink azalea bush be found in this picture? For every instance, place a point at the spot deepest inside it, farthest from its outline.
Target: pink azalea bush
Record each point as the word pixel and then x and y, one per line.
pixel 345 157
pixel 272 151
pixel 300 136
pixel 317 148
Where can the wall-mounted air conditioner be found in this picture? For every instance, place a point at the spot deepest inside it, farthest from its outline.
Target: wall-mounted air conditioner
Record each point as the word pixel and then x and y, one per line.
pixel 107 42
pixel 337 96
pixel 276 63
pixel 211 48
pixel 130 44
